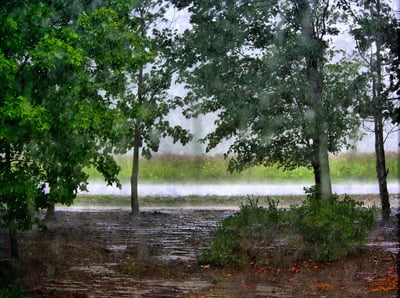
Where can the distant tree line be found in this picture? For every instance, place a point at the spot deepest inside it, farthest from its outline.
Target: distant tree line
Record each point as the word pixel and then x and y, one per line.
pixel 83 80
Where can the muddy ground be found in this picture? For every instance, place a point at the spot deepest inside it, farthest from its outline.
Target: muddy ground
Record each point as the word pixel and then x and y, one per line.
pixel 104 253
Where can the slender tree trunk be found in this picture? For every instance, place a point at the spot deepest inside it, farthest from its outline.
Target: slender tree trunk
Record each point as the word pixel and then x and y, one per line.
pixel 136 148
pixel 135 173
pixel 50 212
pixel 377 85
pixel 12 230
pixel 381 170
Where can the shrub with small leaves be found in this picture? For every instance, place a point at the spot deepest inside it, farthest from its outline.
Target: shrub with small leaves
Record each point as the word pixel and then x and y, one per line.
pixel 331 228
pixel 323 229
pixel 235 236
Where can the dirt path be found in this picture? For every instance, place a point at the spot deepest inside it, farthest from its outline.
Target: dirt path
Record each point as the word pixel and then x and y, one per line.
pixel 105 254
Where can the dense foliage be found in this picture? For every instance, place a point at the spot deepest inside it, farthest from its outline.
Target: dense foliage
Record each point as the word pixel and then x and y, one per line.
pixel 268 70
pixel 323 230
pixel 62 63
pixel 79 79
pixel 333 228
pixel 236 237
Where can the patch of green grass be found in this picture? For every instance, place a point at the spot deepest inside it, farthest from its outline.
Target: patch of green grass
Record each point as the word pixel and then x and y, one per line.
pixel 285 201
pixel 181 201
pixel 204 169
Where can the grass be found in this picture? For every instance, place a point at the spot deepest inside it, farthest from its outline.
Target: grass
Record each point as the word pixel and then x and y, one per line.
pixel 181 201
pixel 344 167
pixel 285 201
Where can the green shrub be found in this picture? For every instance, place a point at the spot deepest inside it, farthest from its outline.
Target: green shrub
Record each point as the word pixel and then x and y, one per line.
pixel 235 236
pixel 331 228
pixel 327 230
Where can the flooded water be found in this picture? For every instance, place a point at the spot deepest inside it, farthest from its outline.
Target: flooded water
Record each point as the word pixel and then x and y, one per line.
pixel 169 236
pixel 111 245
pixel 236 189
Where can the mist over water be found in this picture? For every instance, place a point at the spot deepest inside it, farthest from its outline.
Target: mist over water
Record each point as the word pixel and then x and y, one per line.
pixel 234 189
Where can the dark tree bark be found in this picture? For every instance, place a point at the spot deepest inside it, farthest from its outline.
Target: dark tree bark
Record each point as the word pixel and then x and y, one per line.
pixel 135 173
pixel 13 241
pixel 381 170
pixel 50 212
pixel 320 164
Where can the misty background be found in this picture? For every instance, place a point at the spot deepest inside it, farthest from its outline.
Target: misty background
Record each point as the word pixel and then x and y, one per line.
pixel 200 127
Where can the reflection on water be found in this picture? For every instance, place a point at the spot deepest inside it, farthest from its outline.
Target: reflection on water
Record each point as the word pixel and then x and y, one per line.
pixel 237 189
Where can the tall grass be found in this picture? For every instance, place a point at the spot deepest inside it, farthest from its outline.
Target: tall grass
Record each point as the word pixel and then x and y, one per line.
pixel 204 169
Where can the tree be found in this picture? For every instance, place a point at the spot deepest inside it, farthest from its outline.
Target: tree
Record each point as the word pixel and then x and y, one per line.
pixel 61 68
pixel 84 122
pixel 394 76
pixel 266 68
pixel 374 31
pixel 147 103
pixel 20 122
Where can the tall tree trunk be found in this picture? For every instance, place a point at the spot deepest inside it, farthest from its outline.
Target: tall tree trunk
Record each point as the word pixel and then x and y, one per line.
pixel 314 64
pixel 135 173
pixel 136 148
pixel 377 85
pixel 381 170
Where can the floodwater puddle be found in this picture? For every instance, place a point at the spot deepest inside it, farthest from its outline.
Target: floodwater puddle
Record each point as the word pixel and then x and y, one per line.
pixel 393 247
pixel 146 257
pixel 172 237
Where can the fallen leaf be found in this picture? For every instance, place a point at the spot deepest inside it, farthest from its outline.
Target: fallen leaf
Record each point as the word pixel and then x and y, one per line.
pixel 386 283
pixel 297 270
pixel 228 275
pixel 259 270
pixel 324 286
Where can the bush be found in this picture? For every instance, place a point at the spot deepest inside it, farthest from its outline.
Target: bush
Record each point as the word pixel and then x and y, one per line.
pixel 328 230
pixel 235 236
pixel 331 228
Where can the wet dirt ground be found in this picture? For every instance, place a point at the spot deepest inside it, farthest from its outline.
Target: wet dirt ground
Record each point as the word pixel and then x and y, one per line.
pixel 104 253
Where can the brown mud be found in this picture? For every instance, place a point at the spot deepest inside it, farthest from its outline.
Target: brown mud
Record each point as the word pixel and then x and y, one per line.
pixel 104 253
